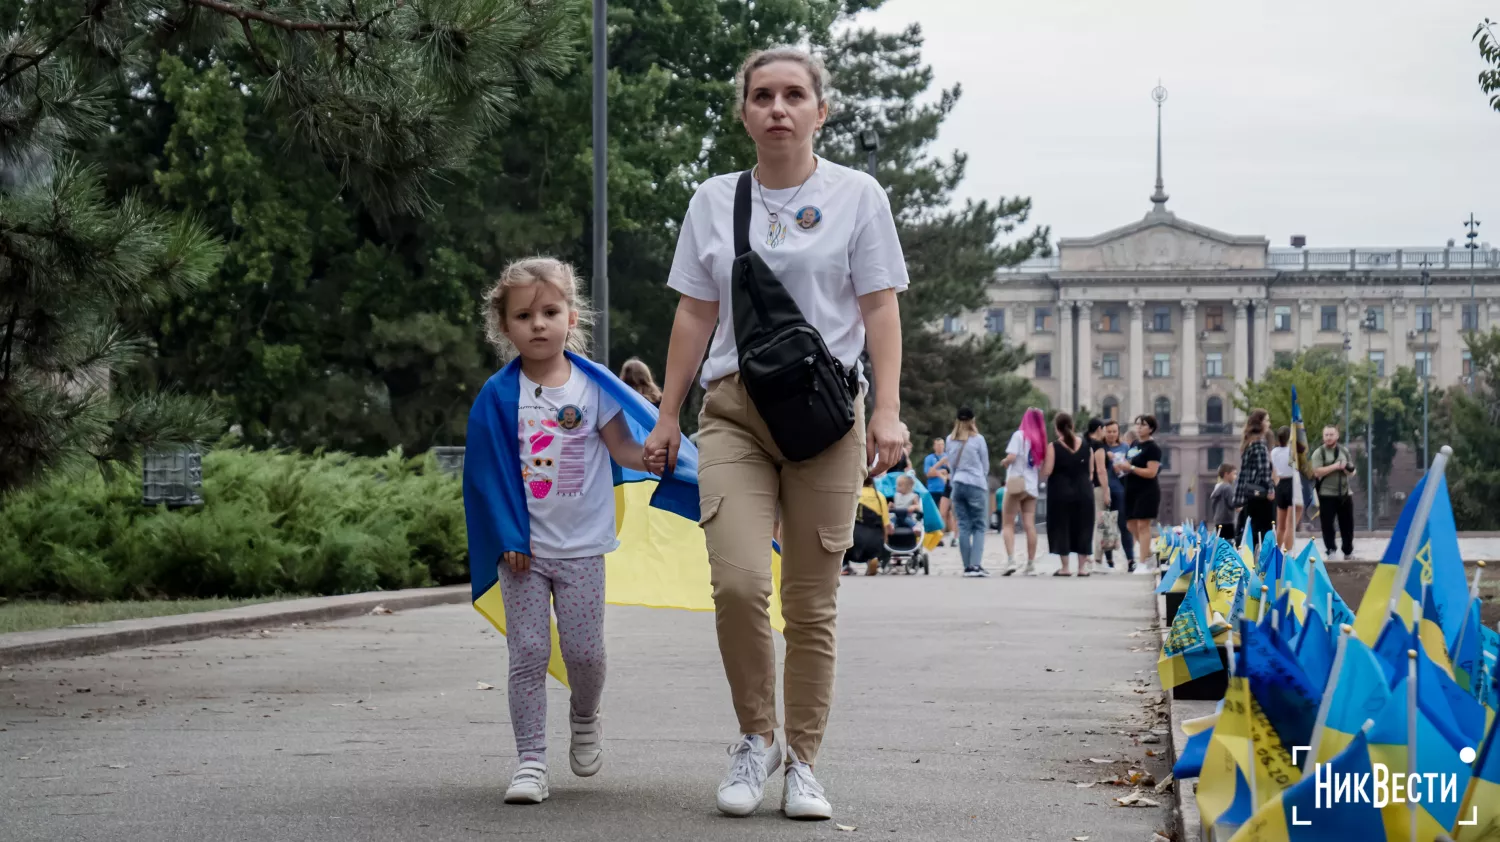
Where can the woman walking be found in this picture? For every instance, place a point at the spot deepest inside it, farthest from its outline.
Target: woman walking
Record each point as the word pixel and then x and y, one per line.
pixel 1285 479
pixel 1142 487
pixel 1023 459
pixel 1105 528
pixel 1069 469
pixel 822 248
pixel 1253 488
pixel 970 458
pixel 1116 451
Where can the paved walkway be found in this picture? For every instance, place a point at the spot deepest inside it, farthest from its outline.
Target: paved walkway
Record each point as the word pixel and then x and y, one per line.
pixel 967 709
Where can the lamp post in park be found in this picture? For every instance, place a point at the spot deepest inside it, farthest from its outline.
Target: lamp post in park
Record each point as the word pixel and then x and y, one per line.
pixel 1369 328
pixel 1472 247
pixel 869 140
pixel 601 187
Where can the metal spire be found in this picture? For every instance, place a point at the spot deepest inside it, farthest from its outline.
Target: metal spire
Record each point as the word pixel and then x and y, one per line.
pixel 1159 198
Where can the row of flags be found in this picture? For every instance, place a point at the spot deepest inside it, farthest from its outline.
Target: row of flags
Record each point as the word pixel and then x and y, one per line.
pixel 1337 724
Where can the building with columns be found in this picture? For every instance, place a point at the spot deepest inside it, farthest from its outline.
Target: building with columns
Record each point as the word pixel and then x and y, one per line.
pixel 1165 316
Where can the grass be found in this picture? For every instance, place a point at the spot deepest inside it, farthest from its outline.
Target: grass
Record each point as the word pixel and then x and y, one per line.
pixel 27 615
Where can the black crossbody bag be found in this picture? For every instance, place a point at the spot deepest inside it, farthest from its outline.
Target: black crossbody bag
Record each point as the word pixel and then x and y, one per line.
pixel 801 391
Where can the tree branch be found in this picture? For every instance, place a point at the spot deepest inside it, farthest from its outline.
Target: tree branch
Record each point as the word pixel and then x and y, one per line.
pixel 247 15
pixel 50 48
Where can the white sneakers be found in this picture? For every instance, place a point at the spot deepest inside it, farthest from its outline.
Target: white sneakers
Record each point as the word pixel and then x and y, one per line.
pixel 751 763
pixel 801 795
pixel 529 784
pixel 586 754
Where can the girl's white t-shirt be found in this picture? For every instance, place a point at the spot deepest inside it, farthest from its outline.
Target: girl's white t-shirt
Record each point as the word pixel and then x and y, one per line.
pixel 836 241
pixel 565 468
pixel 1281 462
pixel 1022 466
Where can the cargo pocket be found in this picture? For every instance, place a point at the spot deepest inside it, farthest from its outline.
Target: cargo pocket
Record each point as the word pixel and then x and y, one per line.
pixel 707 508
pixel 837 539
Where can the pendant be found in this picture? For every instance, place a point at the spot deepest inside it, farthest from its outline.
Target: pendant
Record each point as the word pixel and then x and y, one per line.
pixel 776 233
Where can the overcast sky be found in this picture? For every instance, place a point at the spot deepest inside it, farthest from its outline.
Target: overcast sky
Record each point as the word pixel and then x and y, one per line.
pixel 1354 123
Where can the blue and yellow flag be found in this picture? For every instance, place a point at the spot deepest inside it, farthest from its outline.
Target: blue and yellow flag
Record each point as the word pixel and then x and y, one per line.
pixel 1302 814
pixel 1430 632
pixel 662 560
pixel 1316 649
pixel 1468 652
pixel 1480 810
pixel 1437 565
pixel 1189 652
pixel 1329 603
pixel 1278 684
pixel 1437 754
pixel 1357 692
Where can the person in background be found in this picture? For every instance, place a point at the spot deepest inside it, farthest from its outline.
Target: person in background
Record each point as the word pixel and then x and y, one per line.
pixel 1070 498
pixel 1099 479
pixel 1221 511
pixel 1332 469
pixel 1142 486
pixel 935 469
pixel 1023 459
pixel 971 489
pixel 907 503
pixel 637 375
pixel 1284 476
pixel 872 523
pixel 1117 450
pixel 1254 486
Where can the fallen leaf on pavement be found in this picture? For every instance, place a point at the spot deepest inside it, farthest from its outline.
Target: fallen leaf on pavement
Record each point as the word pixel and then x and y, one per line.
pixel 845 827
pixel 1099 760
pixel 339 705
pixel 1085 784
pixel 381 609
pixel 1157 837
pixel 1150 752
pixel 1135 799
pixel 483 686
pixel 1150 739
pixel 1165 783
pixel 1080 839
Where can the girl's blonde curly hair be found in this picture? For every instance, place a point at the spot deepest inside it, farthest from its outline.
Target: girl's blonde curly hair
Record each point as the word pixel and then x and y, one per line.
pixel 536 270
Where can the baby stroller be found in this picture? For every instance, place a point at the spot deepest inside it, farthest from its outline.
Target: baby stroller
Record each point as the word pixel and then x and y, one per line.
pixel 903 547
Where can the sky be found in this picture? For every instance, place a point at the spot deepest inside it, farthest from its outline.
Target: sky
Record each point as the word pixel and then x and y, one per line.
pixel 1352 123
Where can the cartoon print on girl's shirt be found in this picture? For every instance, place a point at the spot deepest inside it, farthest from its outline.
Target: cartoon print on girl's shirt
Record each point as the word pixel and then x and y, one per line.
pixel 553 450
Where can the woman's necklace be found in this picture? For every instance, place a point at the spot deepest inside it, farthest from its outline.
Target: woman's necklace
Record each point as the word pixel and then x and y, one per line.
pixel 776 232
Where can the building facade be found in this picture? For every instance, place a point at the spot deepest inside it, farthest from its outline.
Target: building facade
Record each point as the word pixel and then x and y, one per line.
pixel 1164 316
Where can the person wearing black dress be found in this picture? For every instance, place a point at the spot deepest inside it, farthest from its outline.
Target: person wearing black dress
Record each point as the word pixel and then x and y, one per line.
pixel 1142 487
pixel 1070 496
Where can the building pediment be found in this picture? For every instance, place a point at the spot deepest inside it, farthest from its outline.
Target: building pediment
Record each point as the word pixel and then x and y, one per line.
pixel 1161 241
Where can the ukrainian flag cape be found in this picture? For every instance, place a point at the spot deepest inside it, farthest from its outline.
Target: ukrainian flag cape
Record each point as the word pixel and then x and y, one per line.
pixel 662 561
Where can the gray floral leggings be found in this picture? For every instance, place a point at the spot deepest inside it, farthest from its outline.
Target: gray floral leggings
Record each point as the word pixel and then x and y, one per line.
pixel 574 588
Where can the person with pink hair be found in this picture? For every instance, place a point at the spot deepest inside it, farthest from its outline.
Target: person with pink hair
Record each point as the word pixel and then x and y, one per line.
pixel 1023 458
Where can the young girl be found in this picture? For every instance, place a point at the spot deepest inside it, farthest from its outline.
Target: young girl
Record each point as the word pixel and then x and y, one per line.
pixel 567 430
pixel 1282 472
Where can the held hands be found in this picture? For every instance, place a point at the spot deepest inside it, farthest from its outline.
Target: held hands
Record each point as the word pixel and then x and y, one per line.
pixel 661 446
pixel 886 437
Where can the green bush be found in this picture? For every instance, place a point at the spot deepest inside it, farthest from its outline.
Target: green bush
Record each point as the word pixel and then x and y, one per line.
pixel 271 523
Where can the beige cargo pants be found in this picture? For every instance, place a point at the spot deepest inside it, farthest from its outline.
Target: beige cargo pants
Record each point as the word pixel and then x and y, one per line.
pixel 741 478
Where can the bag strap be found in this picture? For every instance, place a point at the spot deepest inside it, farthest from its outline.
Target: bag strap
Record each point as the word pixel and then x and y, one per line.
pixel 742 215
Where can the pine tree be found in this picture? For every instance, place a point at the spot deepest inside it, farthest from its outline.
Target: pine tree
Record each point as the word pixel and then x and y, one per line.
pixel 381 95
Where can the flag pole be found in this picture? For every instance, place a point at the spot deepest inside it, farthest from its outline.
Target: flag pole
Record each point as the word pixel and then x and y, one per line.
pixel 1458 644
pixel 1411 730
pixel 1418 525
pixel 1261 613
pixel 1327 701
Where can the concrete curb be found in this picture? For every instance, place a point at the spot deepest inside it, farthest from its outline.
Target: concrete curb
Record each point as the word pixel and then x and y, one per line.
pixel 1187 823
pixel 97 638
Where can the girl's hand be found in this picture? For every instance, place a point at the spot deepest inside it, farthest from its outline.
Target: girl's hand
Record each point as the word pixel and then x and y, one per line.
pixel 660 449
pixel 519 562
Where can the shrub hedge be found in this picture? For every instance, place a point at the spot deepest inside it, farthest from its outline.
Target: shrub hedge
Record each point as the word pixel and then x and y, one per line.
pixel 271 523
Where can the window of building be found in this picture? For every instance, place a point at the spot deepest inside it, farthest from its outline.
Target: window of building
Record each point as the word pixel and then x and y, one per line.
pixel 1377 359
pixel 1422 364
pixel 1375 318
pixel 1215 457
pixel 1330 317
pixel 1215 412
pixel 1282 317
pixel 1161 320
pixel 1213 317
pixel 1163 412
pixel 1213 364
pixel 1043 365
pixel 1109 321
pixel 1111 409
pixel 951 324
pixel 1424 317
pixel 1468 367
pixel 1109 364
pixel 994 320
pixel 1166 458
pixel 1282 359
pixel 1043 321
pixel 1471 317
pixel 1161 365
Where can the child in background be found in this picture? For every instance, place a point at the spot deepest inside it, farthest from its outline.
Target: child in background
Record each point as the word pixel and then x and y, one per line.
pixel 567 431
pixel 907 502
pixel 1221 512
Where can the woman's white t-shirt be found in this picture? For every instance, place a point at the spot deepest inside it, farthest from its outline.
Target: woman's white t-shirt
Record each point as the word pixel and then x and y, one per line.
pixel 1281 462
pixel 1022 467
pixel 837 241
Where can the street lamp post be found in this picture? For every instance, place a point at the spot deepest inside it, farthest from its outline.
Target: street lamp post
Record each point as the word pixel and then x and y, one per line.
pixel 601 186
pixel 1426 353
pixel 1473 248
pixel 869 140
pixel 1348 373
pixel 1369 327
